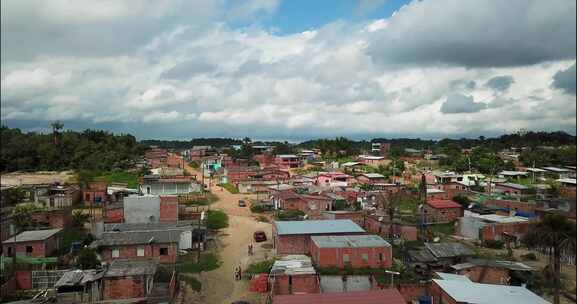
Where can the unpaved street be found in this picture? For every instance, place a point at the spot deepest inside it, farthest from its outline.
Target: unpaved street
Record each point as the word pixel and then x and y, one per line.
pixel 219 286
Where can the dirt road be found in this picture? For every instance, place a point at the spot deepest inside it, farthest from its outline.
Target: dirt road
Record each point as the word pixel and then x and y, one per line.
pixel 219 286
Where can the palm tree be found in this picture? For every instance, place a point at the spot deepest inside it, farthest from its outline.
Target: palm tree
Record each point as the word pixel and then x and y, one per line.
pixel 554 235
pixel 56 127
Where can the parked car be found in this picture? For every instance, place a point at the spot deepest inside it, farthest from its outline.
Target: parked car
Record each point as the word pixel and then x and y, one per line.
pixel 259 236
pixel 241 203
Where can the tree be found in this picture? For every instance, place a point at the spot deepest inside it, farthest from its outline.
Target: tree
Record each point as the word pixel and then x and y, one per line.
pixel 56 127
pixel 462 200
pixel 554 235
pixel 79 219
pixel 216 219
pixel 87 259
pixel 22 216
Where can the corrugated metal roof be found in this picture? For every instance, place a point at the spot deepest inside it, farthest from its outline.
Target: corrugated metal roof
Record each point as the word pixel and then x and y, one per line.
pixel 346 241
pixel 449 250
pixel 514 186
pixel 293 265
pixel 32 235
pixel 469 292
pixel 388 296
pixel 373 175
pixel 451 276
pixel 122 268
pixel 139 237
pixel 317 227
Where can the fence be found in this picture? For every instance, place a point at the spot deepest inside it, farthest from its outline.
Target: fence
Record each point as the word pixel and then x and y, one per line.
pixel 45 279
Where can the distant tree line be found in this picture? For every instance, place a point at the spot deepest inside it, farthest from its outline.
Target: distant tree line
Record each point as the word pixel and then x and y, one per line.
pixel 188 144
pixel 93 150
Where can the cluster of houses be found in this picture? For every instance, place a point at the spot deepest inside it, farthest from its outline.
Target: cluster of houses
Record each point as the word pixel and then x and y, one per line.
pixel 343 216
pixel 138 234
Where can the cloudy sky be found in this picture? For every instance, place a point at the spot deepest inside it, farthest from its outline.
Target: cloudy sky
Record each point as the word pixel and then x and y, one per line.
pixel 290 69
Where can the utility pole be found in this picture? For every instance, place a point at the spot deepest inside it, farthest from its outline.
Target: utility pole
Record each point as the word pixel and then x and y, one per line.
pixel 393 274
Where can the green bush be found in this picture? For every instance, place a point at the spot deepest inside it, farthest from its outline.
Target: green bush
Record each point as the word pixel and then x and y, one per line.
pixel 494 244
pixel 340 205
pixel 257 208
pixel 289 215
pixel 207 262
pixel 230 188
pixel 87 259
pixel 194 165
pixel 216 219
pixel 192 282
pixel 119 176
pixel 259 267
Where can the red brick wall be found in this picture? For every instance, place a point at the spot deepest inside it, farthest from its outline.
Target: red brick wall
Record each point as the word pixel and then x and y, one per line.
pixel 495 231
pixel 61 218
pixel 115 215
pixel 520 206
pixel 492 275
pixel 354 216
pixel 300 284
pixel 130 251
pixel 40 249
pixel 412 292
pixel 329 257
pixel 124 288
pixel 568 192
pixel 168 208
pixel 439 296
pixel 23 279
pixel 438 196
pixel 442 215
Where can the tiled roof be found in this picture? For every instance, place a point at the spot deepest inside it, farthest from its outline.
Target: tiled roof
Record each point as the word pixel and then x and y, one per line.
pixel 441 204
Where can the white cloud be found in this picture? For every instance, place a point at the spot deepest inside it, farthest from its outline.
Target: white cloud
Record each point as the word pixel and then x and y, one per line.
pixel 207 78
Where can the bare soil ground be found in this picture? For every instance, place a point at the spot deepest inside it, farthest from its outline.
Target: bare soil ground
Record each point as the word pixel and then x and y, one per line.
pixel 219 286
pixel 40 177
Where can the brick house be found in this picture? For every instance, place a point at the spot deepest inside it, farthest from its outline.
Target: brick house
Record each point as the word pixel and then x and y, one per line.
pixel 437 194
pixel 128 279
pixel 493 227
pixel 294 274
pixel 373 161
pixel 380 225
pixel 332 179
pixel 113 213
pixel 351 250
pixel 156 157
pixel 55 218
pixel 34 243
pixel 95 193
pixel 287 161
pixel 294 237
pixel 442 211
pixel 568 187
pixel 512 189
pixel 174 161
pixel 311 205
pixel 161 245
pixel 493 271
pixel 371 178
pixel 169 185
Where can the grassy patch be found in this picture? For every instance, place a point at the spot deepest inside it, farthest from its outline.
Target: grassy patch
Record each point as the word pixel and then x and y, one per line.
pixel 446 229
pixel 216 219
pixel 207 262
pixel 192 282
pixel 289 215
pixel 119 177
pixel 208 199
pixel 259 267
pixel 230 188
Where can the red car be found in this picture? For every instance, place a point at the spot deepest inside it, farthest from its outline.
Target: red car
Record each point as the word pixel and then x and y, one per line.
pixel 259 236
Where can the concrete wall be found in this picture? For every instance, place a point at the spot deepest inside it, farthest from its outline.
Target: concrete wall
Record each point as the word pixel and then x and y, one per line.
pixel 142 209
pixel 469 227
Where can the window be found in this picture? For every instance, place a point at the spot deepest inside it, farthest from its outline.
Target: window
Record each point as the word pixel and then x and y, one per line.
pixel 164 251
pixel 365 257
pixel 29 250
pixel 346 258
pixel 140 251
pixel 381 257
pixel 115 253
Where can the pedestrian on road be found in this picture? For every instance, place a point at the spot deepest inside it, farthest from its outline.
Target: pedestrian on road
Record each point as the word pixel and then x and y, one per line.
pixel 239 273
